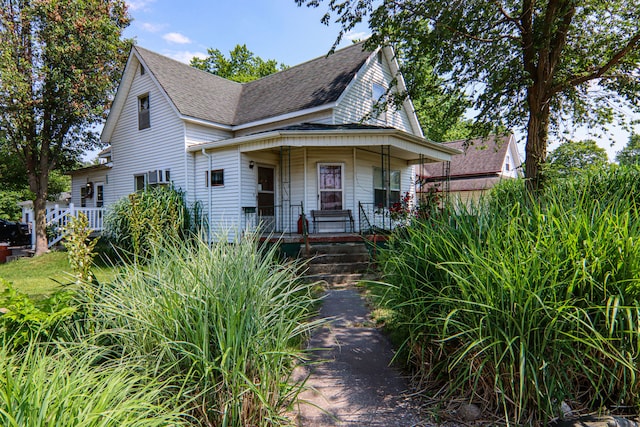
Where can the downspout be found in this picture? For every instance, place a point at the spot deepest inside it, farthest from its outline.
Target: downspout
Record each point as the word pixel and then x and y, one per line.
pixel 204 152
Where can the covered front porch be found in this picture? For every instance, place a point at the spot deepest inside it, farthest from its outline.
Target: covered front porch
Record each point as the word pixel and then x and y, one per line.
pixel 312 178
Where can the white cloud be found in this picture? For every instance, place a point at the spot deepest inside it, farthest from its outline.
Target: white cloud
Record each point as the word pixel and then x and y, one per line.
pixel 176 38
pixel 138 4
pixel 352 35
pixel 152 28
pixel 185 56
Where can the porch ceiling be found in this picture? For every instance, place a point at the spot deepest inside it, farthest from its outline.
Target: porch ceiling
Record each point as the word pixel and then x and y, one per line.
pixel 402 145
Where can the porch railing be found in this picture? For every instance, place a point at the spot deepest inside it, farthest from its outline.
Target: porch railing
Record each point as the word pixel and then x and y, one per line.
pixel 275 219
pixel 373 219
pixel 58 217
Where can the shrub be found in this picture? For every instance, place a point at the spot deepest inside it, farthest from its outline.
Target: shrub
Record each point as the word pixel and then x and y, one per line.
pixel 228 319
pixel 23 320
pixel 523 304
pixel 141 219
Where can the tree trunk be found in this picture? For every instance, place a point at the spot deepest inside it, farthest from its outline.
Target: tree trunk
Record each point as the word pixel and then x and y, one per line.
pixel 40 214
pixel 39 183
pixel 537 135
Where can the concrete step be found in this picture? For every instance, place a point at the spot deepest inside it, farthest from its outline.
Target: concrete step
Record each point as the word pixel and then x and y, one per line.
pixel 338 268
pixel 339 258
pixel 338 248
pixel 335 279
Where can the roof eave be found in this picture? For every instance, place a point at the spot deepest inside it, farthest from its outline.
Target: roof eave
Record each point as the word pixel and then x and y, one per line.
pixel 329 132
pixel 282 117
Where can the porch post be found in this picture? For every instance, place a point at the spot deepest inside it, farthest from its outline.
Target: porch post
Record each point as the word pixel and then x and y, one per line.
pixel 353 185
pixel 304 166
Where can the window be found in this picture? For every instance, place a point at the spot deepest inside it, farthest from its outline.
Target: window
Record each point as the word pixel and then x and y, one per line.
pixel 144 121
pixel 217 178
pixel 380 197
pixel 139 182
pixel 142 70
pixel 507 163
pixel 378 102
pixel 379 57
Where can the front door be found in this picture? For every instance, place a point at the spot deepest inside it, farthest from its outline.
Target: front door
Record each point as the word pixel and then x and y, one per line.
pixel 99 194
pixel 330 186
pixel 266 198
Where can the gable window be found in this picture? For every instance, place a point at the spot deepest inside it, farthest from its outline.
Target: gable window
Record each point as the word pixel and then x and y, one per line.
pixel 144 121
pixel 507 163
pixel 217 178
pixel 378 102
pixel 379 193
pixel 142 70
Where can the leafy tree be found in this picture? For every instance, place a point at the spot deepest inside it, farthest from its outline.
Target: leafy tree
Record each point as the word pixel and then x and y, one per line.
pixel 571 158
pixel 530 63
pixel 439 107
pixel 59 63
pixel 242 65
pixel 630 154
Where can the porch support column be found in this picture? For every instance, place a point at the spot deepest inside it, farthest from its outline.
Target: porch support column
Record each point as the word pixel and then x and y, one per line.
pixel 355 201
pixel 304 173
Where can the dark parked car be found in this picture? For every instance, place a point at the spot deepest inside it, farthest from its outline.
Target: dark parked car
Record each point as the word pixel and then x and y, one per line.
pixel 15 233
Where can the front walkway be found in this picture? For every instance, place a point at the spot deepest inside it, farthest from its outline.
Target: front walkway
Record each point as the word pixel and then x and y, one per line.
pixel 350 381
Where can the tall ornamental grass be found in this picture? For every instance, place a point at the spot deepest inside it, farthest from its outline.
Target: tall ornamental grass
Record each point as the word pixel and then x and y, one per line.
pixel 143 219
pixel 226 321
pixel 72 388
pixel 520 305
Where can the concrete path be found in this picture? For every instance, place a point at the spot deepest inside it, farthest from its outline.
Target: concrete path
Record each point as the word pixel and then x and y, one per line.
pixel 351 382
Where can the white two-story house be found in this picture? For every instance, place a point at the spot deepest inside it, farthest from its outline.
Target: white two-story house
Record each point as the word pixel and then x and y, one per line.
pixel 261 153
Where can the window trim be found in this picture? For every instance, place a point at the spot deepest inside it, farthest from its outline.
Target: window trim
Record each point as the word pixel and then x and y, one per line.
pixel 135 182
pixel 377 88
pixel 209 175
pixel 144 114
pixel 394 193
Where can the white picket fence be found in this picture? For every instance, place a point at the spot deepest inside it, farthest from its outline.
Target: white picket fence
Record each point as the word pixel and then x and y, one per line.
pixel 58 218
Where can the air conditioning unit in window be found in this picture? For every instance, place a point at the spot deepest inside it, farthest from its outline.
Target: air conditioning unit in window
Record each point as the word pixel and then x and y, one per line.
pixel 160 176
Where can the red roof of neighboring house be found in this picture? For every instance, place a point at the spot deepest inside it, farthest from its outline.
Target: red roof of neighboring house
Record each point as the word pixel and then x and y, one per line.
pixel 483 157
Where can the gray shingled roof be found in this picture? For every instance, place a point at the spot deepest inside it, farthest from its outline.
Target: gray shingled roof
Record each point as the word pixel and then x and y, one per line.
pixel 481 157
pixel 202 95
pixel 195 93
pixel 314 83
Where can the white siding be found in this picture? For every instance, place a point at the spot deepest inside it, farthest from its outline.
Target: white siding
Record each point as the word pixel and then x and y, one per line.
pixel 195 134
pixel 356 103
pixel 80 179
pixel 161 146
pixel 225 209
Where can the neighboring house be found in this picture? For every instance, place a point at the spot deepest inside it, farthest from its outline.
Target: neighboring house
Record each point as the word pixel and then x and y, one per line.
pixel 482 165
pixel 261 152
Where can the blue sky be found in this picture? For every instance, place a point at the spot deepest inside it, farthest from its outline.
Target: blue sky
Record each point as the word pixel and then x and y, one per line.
pixel 272 29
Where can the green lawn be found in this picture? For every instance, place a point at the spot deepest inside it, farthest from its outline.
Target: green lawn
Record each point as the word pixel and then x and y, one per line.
pixel 44 274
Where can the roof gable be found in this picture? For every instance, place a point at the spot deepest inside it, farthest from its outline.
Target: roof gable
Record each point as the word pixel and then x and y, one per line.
pixel 195 93
pixel 481 156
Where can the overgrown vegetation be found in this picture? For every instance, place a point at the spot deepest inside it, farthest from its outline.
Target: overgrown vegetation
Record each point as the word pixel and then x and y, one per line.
pixel 521 305
pixel 159 214
pixel 228 320
pixel 198 334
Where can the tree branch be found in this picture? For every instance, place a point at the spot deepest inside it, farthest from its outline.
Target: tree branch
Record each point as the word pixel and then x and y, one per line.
pixel 633 43
pixel 528 48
